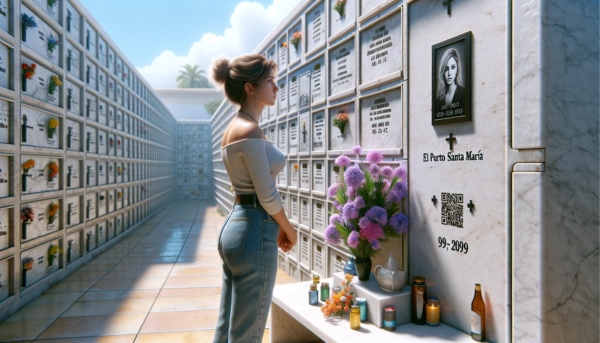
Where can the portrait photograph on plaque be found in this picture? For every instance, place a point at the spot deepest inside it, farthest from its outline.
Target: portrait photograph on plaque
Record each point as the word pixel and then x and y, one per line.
pixel 451 80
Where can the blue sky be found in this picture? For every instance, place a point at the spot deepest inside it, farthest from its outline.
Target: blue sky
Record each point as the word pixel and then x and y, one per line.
pixel 160 36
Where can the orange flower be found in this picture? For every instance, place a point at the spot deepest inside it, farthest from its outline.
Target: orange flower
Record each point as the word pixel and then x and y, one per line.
pixel 297 35
pixel 339 307
pixel 347 289
pixel 346 308
pixel 53 208
pixel 347 302
pixel 29 164
pixel 349 297
pixel 327 302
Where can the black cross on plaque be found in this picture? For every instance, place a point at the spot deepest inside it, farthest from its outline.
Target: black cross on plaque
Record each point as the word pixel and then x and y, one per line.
pixel 471 206
pixel 303 132
pixel 434 200
pixel 451 140
pixel 449 4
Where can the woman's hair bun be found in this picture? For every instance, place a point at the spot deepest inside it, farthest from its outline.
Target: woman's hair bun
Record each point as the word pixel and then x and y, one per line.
pixel 220 69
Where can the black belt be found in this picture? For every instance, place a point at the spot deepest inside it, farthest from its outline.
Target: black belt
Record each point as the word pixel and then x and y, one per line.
pixel 247 199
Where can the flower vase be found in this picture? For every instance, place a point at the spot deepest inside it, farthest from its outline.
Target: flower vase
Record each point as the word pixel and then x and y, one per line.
pixel 23 83
pixel 24 278
pixel 350 268
pixel 51 219
pixel 363 268
pixel 340 11
pixel 23 32
pixel 24 230
pixel 24 182
pixel 51 132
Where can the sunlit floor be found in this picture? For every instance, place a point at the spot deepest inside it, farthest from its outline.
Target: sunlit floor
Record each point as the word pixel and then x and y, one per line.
pixel 160 284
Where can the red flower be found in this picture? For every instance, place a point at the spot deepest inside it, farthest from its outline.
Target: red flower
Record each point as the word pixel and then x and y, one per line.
pixel 33 65
pixel 24 66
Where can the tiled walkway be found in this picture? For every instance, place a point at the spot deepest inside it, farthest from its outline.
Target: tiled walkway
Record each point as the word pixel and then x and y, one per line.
pixel 160 284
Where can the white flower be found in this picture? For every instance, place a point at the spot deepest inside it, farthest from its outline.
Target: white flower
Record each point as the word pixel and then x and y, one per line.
pixel 343 299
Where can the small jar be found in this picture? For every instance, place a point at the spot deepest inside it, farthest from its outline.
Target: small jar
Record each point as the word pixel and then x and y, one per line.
pixel 316 279
pixel 419 297
pixel 355 317
pixel 335 290
pixel 432 312
pixel 325 291
pixel 313 295
pixel 362 304
pixel 389 318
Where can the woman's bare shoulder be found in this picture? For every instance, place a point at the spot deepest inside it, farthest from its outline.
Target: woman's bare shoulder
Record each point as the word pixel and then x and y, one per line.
pixel 239 130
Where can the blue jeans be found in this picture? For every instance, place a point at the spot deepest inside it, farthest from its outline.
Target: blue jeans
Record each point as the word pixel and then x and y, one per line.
pixel 248 248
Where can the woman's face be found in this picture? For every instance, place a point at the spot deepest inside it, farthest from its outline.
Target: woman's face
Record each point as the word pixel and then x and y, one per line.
pixel 450 71
pixel 268 90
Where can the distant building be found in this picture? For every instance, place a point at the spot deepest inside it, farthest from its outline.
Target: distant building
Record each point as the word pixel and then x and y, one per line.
pixel 188 103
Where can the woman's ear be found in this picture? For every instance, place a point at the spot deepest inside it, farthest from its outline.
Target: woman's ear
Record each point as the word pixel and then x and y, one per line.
pixel 249 88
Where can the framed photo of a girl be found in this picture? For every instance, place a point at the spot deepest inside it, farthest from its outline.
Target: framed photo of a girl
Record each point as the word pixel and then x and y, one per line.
pixel 451 80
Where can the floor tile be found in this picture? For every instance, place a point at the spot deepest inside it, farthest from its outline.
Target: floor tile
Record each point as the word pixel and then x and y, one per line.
pixel 140 273
pixel 120 324
pixel 105 339
pixel 196 271
pixel 22 330
pixel 189 292
pixel 186 303
pixel 127 284
pixel 194 281
pixel 71 286
pixel 201 336
pixel 85 275
pixel 57 298
pixel 40 311
pixel 109 307
pixel 180 320
pixel 120 295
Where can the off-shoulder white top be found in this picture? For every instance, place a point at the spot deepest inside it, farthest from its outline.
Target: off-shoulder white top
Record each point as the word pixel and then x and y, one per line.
pixel 252 165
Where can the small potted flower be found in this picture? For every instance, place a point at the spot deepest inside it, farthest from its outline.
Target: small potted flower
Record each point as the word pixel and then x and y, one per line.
pixel 52 170
pixel 26 166
pixel 52 212
pixel 52 127
pixel 52 44
pixel 340 121
pixel 27 72
pixel 27 217
pixel 53 252
pixel 284 45
pixel 54 83
pixel 296 38
pixel 27 22
pixel 27 266
pixel 339 7
pixel 340 303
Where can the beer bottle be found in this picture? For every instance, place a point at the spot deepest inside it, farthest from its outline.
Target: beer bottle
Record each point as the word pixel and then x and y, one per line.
pixel 478 316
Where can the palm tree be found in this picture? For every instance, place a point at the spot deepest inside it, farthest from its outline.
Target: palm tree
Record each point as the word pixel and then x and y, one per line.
pixel 191 77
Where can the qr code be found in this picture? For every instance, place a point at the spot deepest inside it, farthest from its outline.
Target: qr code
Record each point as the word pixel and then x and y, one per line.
pixel 452 209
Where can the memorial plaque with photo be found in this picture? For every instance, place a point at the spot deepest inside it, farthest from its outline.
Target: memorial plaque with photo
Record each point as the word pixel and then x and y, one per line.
pixel 305 211
pixel 315 27
pixel 319 216
pixel 318 179
pixel 294 52
pixel 102 82
pixel 282 142
pixel 317 83
pixel 293 147
pixel 90 74
pixel 73 98
pixel 381 120
pixel 72 212
pixel 293 96
pixel 305 254
pixel 42 264
pixel 73 133
pixel 42 223
pixel 111 172
pixel 304 90
pixel 283 99
pixel 5 228
pixel 39 84
pixel 282 47
pixel 38 38
pixel 294 174
pixel 38 131
pixel 304 133
pixel 341 68
pixel 381 49
pixel 282 176
pixel 318 260
pixel 119 225
pixel 318 140
pixel 119 145
pixel 337 261
pixel 43 177
pixel 4 65
pixel 342 14
pixel 4 279
pixel 304 175
pixel 341 127
pixel 273 134
pixel 4 13
pixel 294 207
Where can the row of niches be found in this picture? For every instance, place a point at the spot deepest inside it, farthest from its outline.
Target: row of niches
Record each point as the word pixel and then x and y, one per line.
pixel 191 169
pixel 377 124
pixel 192 180
pixel 186 146
pixel 193 136
pixel 194 128
pixel 331 73
pixel 192 193
pixel 192 157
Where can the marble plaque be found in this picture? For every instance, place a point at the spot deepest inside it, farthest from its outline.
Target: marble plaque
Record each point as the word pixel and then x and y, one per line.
pixel 73 20
pixel 102 82
pixel 282 54
pixel 341 68
pixel 111 88
pixel 112 143
pixel 89 39
pixel 282 176
pixel 119 120
pixel 111 229
pixel 293 96
pixel 367 5
pixel 282 139
pixel 73 60
pixel 304 91
pixel 4 65
pixel 37 38
pixel 41 266
pixel 102 142
pixel 37 129
pixel 282 262
pixel 111 172
pixel 318 139
pixel 102 52
pixel 305 211
pixel 73 247
pixel 102 112
pixel 37 178
pixel 73 98
pixel 72 212
pixel 337 261
pixel 273 134
pixel 119 66
pixel 90 106
pixel 293 270
pixel 381 120
pixel 119 146
pixel 102 172
pixel 91 238
pixel 319 216
pixel 73 173
pixel 283 99
pixel 119 94
pixel 342 18
pixel 40 225
pixel 381 49
pixel 293 253
pixel 4 228
pixel 90 206
pixel 111 59
pixel 318 260
pixel 90 173
pixel 334 170
pixel 315 27
pixel 111 116
pixel 305 175
pixel 304 242
pixel 294 174
pixel 37 86
pixel 126 222
pixel 284 198
pixel 90 139
pixel 293 147
pixel 119 225
pixel 4 279
pixel 4 13
pixel 90 74
pixel 294 207
pixel 318 179
pixel 294 53
pixel 342 140
pixel 317 82
pixel 73 133
pixel 102 233
pixel 304 132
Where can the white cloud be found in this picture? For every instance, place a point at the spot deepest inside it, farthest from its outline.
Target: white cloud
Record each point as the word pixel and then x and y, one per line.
pixel 250 23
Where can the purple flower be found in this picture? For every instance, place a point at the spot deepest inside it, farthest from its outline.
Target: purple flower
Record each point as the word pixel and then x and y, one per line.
pixel 374 169
pixel 374 157
pixel 354 176
pixel 399 191
pixel 375 244
pixel 335 219
pixel 386 185
pixel 337 205
pixel 399 222
pixel 353 239
pixel 357 150
pixel 350 226
pixel 350 192
pixel 332 191
pixel 377 215
pixel 359 202
pixel 349 212
pixel 332 236
pixel 342 160
pixel 363 222
pixel 387 172
pixel 400 173
pixel 371 232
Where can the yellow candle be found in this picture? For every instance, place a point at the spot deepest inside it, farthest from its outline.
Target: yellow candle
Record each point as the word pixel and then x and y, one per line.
pixel 432 312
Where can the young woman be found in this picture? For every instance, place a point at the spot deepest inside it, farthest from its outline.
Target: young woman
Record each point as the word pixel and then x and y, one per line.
pixel 257 224
pixel 450 93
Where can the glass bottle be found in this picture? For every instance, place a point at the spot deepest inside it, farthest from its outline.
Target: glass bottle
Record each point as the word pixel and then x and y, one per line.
pixel 316 279
pixel 362 304
pixel 419 295
pixel 354 317
pixel 313 295
pixel 432 312
pixel 389 318
pixel 324 291
pixel 478 316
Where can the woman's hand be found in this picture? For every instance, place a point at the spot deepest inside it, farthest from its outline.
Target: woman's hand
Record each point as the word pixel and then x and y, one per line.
pixel 283 242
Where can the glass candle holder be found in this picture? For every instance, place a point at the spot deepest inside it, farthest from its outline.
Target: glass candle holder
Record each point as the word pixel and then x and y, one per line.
pixel 432 311
pixel 354 317
pixel 316 279
pixel 324 291
pixel 362 304
pixel 313 295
